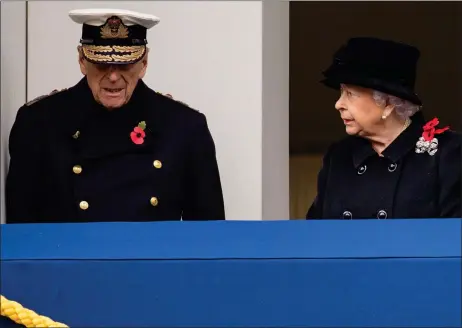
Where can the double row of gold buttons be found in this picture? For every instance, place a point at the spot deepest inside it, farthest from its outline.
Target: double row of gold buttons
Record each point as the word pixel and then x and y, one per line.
pixel 77 169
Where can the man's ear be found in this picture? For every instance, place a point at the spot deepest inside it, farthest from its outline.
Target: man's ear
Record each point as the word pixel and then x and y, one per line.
pixel 144 62
pixel 81 60
pixel 145 58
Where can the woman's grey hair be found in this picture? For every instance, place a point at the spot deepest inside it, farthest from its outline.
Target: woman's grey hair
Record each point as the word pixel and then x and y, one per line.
pixel 403 108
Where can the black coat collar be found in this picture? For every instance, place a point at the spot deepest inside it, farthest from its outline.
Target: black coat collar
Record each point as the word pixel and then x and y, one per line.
pixel 103 133
pixel 405 142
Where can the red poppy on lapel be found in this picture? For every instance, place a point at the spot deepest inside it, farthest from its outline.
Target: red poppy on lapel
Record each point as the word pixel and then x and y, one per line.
pixel 428 143
pixel 138 134
pixel 430 131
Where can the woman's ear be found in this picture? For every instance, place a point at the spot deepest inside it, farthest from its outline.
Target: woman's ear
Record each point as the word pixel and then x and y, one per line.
pixel 387 110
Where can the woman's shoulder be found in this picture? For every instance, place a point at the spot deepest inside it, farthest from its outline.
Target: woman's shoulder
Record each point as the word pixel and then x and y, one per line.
pixel 452 137
pixel 450 146
pixel 445 144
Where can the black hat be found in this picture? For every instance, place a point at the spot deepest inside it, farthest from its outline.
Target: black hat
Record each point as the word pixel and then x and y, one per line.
pixel 380 65
pixel 113 36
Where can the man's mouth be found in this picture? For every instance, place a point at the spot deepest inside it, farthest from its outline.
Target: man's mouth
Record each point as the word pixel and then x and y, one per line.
pixel 113 90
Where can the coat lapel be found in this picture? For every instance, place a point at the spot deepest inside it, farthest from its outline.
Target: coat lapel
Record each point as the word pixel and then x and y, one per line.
pixel 404 143
pixel 97 133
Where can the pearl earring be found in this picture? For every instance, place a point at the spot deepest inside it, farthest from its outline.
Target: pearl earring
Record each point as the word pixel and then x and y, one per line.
pixel 383 117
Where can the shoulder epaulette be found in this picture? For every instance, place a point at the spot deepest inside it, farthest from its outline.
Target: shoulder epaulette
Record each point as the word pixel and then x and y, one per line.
pixel 33 101
pixel 168 95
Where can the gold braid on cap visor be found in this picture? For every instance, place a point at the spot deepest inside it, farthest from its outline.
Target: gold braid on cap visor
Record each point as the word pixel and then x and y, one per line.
pixel 107 54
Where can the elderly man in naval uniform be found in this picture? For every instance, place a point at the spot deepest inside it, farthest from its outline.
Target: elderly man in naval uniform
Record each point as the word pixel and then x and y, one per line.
pixel 110 148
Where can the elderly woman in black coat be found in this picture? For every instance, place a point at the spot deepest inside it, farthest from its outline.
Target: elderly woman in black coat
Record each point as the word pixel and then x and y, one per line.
pixel 393 163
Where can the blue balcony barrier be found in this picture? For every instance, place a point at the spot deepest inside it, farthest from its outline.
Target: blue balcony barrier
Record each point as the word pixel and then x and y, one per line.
pixel 360 273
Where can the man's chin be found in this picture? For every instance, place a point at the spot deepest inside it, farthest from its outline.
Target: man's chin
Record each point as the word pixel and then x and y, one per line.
pixel 112 103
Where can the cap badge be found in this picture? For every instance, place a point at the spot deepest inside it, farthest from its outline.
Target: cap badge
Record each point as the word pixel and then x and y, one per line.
pixel 114 29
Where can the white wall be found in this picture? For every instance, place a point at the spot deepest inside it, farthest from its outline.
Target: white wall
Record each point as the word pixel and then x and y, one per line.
pixel 208 54
pixel 275 120
pixel 13 77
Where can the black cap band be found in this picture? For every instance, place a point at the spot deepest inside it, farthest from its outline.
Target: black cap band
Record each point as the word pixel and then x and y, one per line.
pixel 113 32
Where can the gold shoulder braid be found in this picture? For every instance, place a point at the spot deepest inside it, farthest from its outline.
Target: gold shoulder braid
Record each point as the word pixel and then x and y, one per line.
pixel 171 97
pixel 33 101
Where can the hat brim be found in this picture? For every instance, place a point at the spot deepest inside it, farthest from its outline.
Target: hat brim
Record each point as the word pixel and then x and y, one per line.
pixel 374 84
pixel 113 54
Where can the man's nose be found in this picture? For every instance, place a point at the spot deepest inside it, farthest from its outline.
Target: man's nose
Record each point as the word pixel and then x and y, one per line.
pixel 114 76
pixel 113 73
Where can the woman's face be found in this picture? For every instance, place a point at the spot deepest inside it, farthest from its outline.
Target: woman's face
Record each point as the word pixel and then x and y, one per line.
pixel 359 111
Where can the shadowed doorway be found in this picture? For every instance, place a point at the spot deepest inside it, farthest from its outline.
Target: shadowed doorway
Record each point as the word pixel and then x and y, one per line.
pixel 317 29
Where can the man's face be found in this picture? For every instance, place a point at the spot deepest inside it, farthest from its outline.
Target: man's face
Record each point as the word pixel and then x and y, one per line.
pixel 112 85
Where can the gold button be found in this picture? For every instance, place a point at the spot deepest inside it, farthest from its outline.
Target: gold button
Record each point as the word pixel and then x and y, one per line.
pixel 77 169
pixel 83 205
pixel 154 201
pixel 157 164
pixel 76 135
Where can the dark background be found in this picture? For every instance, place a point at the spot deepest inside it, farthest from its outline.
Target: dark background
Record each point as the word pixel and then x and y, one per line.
pixel 317 29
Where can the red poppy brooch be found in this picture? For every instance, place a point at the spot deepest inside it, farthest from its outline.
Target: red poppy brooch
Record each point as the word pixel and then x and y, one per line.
pixel 138 134
pixel 428 143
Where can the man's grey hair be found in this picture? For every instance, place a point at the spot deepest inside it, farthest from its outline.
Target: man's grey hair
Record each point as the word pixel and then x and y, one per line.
pixel 403 108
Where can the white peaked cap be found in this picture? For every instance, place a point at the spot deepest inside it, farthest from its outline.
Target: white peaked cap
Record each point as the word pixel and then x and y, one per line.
pixel 98 17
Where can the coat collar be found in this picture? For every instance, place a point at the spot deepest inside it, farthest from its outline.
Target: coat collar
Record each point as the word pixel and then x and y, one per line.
pixel 405 142
pixel 96 132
